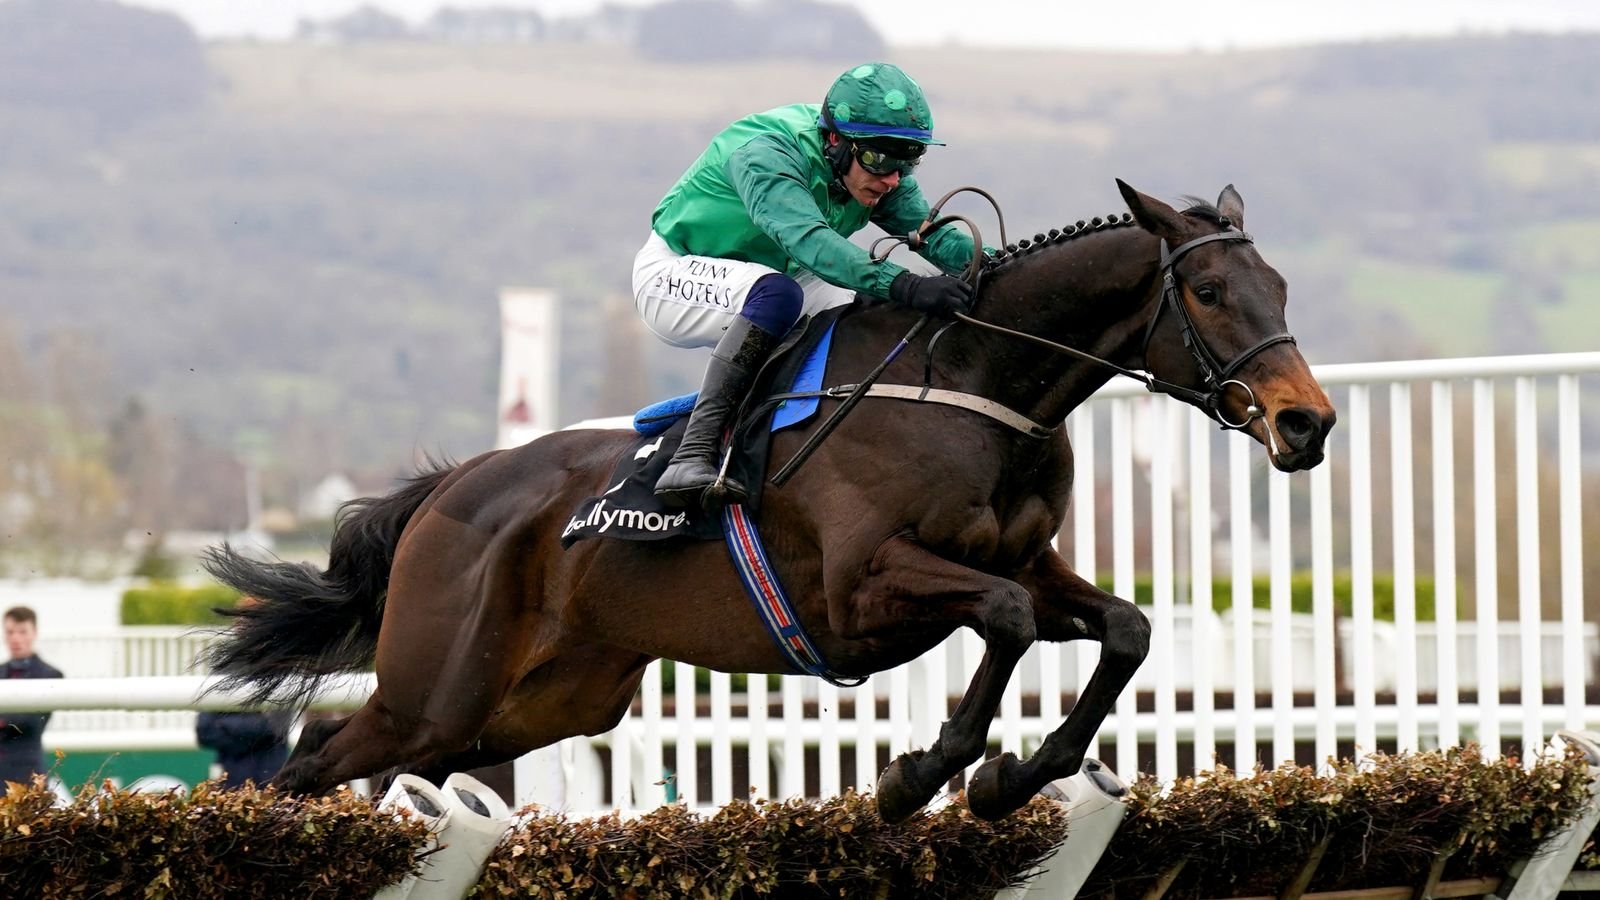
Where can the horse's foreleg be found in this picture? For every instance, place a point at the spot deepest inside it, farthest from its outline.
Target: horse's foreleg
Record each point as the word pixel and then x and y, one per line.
pixel 910 587
pixel 1067 608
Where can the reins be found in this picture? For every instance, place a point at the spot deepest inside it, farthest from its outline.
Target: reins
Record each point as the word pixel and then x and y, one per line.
pixel 1213 373
pixel 1217 376
pixel 915 240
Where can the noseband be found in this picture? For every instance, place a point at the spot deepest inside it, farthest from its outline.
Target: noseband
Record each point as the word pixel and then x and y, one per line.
pixel 1216 376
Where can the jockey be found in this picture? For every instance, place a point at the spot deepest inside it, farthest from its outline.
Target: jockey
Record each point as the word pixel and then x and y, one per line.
pixel 754 235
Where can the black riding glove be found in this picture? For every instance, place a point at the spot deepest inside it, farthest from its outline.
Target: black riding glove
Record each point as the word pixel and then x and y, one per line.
pixel 940 295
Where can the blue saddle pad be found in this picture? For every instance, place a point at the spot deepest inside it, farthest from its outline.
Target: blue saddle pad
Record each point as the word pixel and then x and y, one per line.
pixel 658 417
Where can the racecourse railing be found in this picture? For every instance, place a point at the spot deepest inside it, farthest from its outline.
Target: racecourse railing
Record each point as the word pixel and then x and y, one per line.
pixel 1504 433
pixel 1285 607
pixel 139 651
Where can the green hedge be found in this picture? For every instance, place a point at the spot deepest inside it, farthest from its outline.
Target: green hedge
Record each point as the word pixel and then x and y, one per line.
pixel 214 844
pixel 1299 594
pixel 789 850
pixel 1222 834
pixel 170 603
pixel 1382 824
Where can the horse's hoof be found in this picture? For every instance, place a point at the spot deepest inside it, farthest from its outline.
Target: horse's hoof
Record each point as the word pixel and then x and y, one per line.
pixel 899 794
pixel 989 796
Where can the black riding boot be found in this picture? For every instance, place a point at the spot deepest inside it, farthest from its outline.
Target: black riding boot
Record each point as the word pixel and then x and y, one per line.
pixel 695 465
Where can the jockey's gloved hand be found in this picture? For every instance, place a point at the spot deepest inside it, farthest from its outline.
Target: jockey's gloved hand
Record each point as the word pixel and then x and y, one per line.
pixel 940 295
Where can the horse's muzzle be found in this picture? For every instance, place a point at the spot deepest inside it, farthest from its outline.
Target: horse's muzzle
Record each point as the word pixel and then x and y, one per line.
pixel 1302 433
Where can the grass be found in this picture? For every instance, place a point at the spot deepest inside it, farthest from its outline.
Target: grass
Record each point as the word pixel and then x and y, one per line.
pixel 1569 245
pixel 1533 166
pixel 1450 307
pixel 1572 326
pixel 1454 308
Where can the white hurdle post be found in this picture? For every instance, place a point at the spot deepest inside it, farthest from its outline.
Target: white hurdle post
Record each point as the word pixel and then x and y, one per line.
pixel 467 821
pixel 1096 801
pixel 418 795
pixel 1542 876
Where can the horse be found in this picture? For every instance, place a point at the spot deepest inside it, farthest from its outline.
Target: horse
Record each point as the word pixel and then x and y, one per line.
pixel 489 640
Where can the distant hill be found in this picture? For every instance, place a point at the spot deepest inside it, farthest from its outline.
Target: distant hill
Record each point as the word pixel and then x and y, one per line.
pixel 102 62
pixel 302 264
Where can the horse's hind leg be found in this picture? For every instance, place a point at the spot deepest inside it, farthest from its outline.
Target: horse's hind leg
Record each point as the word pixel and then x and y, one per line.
pixel 377 739
pixel 453 644
pixel 316 733
pixel 1067 608
pixel 585 690
pixel 333 751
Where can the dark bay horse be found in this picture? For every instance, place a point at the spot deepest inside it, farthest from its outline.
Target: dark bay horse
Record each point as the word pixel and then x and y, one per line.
pixel 910 521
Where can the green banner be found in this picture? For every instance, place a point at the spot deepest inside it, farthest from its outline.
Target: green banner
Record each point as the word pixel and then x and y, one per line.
pixel 77 767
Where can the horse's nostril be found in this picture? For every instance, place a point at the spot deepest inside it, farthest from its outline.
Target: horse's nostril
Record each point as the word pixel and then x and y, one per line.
pixel 1301 429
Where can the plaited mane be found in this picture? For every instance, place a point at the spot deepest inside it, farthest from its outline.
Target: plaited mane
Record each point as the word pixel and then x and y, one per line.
pixel 1197 208
pixel 1022 248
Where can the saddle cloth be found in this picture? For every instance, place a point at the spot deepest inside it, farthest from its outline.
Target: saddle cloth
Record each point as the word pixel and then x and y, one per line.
pixel 630 510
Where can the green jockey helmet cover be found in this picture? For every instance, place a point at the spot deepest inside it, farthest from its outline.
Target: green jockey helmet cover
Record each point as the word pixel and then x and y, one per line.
pixel 878 100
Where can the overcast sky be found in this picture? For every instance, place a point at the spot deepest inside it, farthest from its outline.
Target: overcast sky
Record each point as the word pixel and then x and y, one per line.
pixel 1106 24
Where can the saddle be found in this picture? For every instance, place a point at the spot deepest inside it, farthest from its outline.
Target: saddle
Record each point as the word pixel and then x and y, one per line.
pixel 630 510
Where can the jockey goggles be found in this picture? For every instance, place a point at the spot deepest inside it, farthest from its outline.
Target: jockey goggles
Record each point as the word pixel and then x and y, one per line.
pixel 879 162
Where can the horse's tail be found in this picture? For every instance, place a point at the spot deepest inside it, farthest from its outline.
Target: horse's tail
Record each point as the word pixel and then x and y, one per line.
pixel 296 625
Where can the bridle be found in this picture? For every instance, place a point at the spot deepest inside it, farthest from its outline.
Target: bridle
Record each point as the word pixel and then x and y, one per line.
pixel 1214 374
pixel 1218 378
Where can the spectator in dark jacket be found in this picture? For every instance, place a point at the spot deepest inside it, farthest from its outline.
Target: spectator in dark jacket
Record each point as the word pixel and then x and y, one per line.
pixel 21 746
pixel 250 746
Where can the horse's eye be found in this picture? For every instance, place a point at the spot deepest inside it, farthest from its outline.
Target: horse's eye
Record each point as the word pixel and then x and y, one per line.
pixel 1208 296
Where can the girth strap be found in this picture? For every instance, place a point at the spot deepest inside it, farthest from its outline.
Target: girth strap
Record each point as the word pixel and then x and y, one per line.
pixel 771 603
pixel 981 405
pixel 923 394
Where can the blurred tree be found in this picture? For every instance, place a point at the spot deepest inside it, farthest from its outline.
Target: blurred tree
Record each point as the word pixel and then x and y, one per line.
pixel 483 25
pixel 79 378
pixel 141 451
pixel 74 526
pixel 365 24
pixel 116 65
pixel 23 441
pixel 210 496
pixel 808 30
pixel 154 562
pixel 702 30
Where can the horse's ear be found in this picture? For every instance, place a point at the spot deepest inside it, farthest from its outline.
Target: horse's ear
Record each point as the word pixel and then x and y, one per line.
pixel 1230 204
pixel 1152 215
